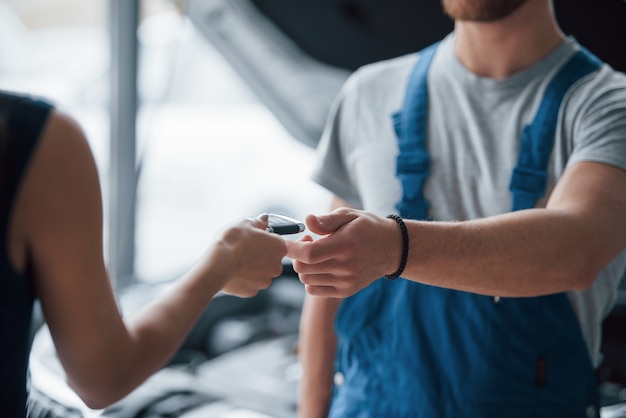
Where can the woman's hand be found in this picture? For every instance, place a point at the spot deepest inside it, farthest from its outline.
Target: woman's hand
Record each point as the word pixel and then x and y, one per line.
pixel 252 255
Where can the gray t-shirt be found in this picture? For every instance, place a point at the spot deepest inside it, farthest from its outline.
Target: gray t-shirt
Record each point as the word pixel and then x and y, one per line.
pixel 474 130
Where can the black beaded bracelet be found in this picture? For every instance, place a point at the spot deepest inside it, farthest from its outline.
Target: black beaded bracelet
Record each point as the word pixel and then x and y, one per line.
pixel 405 247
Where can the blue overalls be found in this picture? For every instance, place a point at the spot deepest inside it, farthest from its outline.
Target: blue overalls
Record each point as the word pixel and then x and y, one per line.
pixel 407 349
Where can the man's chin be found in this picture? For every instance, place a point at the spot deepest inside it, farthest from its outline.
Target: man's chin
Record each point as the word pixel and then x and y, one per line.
pixel 480 10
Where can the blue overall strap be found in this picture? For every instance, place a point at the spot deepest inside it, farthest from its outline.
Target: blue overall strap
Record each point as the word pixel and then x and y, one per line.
pixel 529 177
pixel 410 123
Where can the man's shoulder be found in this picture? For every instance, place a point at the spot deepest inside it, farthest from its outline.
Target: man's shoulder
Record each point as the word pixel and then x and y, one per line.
pixel 606 87
pixel 609 75
pixel 395 70
pixel 384 72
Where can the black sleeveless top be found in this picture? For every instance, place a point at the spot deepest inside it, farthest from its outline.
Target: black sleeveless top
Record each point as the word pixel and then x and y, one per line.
pixel 22 120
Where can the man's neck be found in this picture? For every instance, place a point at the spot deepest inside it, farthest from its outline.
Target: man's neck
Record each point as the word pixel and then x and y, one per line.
pixel 499 49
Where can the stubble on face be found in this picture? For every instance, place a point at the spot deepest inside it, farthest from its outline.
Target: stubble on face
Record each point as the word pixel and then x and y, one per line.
pixel 480 10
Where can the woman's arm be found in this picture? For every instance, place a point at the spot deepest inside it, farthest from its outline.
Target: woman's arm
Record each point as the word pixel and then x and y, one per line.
pixel 59 223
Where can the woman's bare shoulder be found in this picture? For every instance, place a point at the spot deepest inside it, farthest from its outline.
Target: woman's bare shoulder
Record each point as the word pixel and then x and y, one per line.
pixel 59 194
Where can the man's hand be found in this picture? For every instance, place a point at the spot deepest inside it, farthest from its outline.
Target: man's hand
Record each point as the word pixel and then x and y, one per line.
pixel 355 249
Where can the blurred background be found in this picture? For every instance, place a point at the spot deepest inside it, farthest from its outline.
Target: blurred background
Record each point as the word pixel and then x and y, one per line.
pixel 202 112
pixel 208 151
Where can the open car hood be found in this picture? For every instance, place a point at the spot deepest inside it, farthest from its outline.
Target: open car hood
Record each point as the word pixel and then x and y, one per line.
pixel 296 54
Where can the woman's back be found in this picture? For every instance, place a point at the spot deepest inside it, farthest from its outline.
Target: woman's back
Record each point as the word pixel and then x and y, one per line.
pixel 21 123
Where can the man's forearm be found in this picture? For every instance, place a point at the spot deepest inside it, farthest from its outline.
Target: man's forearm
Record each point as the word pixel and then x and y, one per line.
pixel 316 350
pixel 525 253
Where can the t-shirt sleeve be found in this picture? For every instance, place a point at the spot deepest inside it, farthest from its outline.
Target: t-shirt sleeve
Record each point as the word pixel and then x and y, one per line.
pixel 599 131
pixel 357 152
pixel 331 171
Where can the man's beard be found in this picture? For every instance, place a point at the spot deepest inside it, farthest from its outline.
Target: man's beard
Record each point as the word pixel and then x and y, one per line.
pixel 480 10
